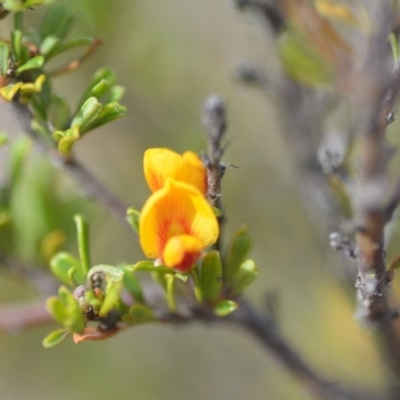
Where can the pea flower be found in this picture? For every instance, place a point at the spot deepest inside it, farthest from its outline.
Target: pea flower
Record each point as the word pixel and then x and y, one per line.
pixel 160 164
pixel 176 225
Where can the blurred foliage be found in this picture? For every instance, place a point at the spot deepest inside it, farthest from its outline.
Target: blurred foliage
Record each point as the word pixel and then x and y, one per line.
pixel 173 55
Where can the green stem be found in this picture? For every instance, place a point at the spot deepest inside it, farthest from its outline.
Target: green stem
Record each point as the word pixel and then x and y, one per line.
pixel 197 288
pixel 19 20
pixel 170 292
pixel 82 230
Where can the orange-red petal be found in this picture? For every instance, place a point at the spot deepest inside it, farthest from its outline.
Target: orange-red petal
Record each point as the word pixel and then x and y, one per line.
pixel 176 209
pixel 161 164
pixel 182 251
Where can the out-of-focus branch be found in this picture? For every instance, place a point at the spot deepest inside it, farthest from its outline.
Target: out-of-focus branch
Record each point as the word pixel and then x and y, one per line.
pixel 214 120
pixel 84 178
pixel 16 317
pixel 369 195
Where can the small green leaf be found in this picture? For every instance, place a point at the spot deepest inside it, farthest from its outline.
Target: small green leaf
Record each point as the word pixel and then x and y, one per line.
pixel 9 91
pixel 217 212
pixel 105 74
pixel 149 266
pixel 211 276
pixel 33 63
pixel 19 153
pixel 133 216
pixel 244 276
pixel 3 139
pixel 240 246
pixel 116 93
pixel 65 266
pixel 181 276
pixel 54 338
pixel 394 46
pixel 82 232
pixel 68 45
pixel 131 283
pixel 73 319
pixel 225 307
pixel 301 62
pixel 4 53
pixel 56 308
pixel 58 21
pixel 111 300
pixel 48 44
pixel 16 37
pixel 140 314
pixel 58 112
pixel 110 112
pixel 87 114
pixel 67 139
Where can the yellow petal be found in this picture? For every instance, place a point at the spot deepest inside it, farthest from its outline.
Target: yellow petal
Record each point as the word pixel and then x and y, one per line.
pixel 176 209
pixel 161 164
pixel 182 251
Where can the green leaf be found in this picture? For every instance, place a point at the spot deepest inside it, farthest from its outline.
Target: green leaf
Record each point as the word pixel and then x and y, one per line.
pixel 73 319
pixel 3 139
pixel 54 338
pixel 217 212
pixel 240 246
pixel 225 307
pixel 56 308
pixel 58 112
pixel 301 62
pixel 9 91
pixel 48 44
pixel 110 112
pixel 131 283
pixel 149 266
pixel 19 20
pixel 4 53
pixel 16 37
pixel 394 46
pixel 105 74
pixel 244 276
pixel 111 300
pixel 133 216
pixel 87 114
pixel 67 269
pixel 58 21
pixel 211 276
pixel 116 93
pixel 68 45
pixel 67 139
pixel 82 231
pixel 140 314
pixel 19 152
pixel 33 63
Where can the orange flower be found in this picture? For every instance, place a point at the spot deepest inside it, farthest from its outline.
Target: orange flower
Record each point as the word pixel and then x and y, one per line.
pixel 160 164
pixel 176 225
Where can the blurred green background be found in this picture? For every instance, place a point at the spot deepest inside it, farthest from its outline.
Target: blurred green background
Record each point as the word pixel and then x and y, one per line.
pixel 171 56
